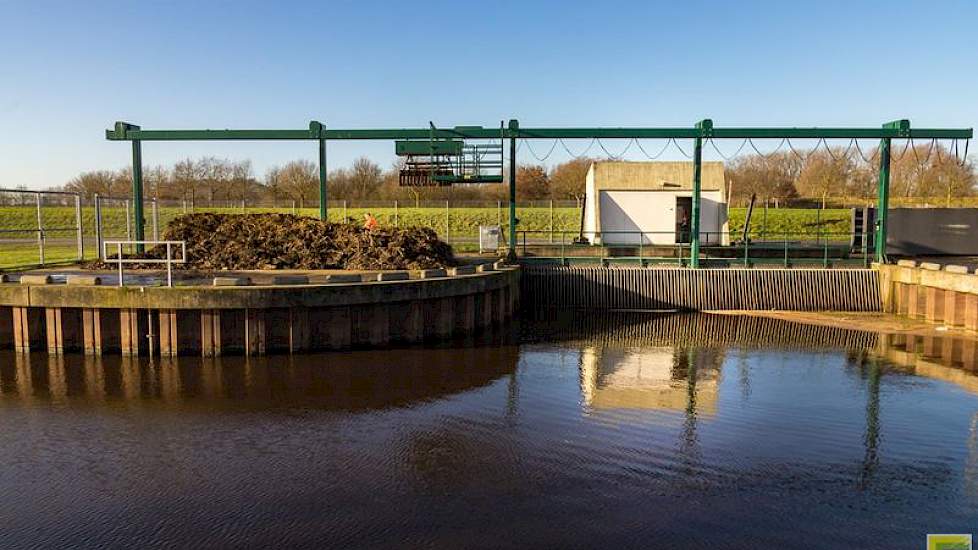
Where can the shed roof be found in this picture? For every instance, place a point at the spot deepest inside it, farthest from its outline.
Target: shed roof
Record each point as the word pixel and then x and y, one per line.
pixel 656 175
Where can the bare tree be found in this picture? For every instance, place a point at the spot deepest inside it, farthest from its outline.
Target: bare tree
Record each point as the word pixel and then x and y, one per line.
pixel 297 180
pixel 567 179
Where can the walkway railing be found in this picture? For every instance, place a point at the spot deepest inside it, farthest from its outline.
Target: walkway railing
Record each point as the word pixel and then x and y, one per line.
pixel 168 260
pixel 648 247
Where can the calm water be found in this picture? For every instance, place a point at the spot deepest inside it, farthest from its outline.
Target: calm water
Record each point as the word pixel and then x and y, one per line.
pixel 624 431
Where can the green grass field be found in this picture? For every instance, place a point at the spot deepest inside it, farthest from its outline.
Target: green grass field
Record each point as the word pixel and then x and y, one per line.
pixel 19 249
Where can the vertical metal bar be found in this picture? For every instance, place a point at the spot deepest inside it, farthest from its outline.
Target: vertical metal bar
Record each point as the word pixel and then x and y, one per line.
pixel 78 226
pixel 883 201
pixel 764 227
pixel 551 221
pixel 786 248
pixel 746 252
pixel 563 254
pixel 448 221
pixel 695 221
pixel 513 126
pixel 641 247
pixel 396 219
pixel 128 225
pixel 98 227
pixel 118 258
pixel 156 220
pixel 137 193
pixel 169 267
pixel 322 180
pixel 40 229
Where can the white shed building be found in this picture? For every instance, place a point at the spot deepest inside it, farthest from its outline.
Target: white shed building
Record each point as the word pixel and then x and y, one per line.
pixel 651 203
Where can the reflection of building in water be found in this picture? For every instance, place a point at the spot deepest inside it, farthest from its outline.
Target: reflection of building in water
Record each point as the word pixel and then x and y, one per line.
pixel 650 378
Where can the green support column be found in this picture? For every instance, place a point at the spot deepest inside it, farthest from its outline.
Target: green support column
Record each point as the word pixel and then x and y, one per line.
pixel 883 202
pixel 137 194
pixel 322 179
pixel 514 126
pixel 705 127
pixel 318 131
pixel 883 199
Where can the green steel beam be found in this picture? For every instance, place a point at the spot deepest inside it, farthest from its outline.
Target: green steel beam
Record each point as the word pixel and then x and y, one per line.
pixel 128 133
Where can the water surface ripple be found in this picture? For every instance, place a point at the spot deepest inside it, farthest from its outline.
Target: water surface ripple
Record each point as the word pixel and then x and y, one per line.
pixel 629 430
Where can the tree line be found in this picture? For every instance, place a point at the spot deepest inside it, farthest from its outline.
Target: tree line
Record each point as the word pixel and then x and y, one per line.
pixel 786 176
pixel 930 172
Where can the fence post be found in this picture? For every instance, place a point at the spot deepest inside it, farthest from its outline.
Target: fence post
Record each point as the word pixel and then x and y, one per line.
pixel 98 227
pixel 499 213
pixel 344 211
pixel 448 221
pixel 293 208
pixel 551 221
pixel 785 248
pixel 78 222
pixel 156 220
pixel 395 213
pixel 40 229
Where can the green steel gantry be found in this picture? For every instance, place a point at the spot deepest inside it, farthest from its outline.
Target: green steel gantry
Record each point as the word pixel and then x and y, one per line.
pixel 702 130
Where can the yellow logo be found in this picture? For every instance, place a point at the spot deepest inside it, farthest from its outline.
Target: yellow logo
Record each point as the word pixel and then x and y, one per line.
pixel 949 542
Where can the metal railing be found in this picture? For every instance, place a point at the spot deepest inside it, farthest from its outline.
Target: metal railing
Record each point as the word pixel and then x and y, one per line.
pixel 169 260
pixel 824 247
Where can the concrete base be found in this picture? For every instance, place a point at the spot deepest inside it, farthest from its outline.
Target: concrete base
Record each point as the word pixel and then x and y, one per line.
pixel 948 296
pixel 253 320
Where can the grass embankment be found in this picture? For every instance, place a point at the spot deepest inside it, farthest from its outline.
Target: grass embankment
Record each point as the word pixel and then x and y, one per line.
pixel 463 224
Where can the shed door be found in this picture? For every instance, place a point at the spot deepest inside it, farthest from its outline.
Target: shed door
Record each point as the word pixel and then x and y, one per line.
pixel 684 214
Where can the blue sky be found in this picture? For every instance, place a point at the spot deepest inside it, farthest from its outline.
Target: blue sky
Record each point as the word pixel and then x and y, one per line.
pixel 69 69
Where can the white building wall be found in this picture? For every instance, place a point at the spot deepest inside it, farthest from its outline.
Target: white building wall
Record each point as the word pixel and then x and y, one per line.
pixel 649 217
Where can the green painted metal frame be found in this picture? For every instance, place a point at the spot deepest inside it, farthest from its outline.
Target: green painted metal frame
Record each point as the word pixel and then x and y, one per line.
pixel 703 130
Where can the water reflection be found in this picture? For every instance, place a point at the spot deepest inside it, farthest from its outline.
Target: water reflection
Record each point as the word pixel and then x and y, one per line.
pixel 655 377
pixel 347 381
pixel 693 431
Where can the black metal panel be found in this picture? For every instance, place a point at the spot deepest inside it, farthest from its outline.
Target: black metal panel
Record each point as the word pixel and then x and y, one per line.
pixel 933 231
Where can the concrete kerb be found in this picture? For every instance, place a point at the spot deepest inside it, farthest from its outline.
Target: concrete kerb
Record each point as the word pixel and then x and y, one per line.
pixel 232 281
pixel 393 276
pixel 36 280
pixel 84 280
pixel 336 278
pixel 255 296
pixel 432 273
pixel 289 280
